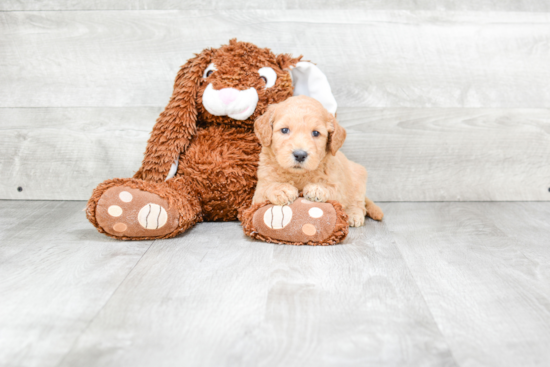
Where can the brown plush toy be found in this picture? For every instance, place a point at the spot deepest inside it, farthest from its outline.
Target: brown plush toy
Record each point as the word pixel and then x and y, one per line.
pixel 201 159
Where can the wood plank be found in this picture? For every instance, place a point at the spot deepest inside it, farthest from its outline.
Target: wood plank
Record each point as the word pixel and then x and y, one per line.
pixel 371 58
pixel 488 289
pixel 465 5
pixel 216 298
pixel 57 273
pixel 451 154
pixel 349 305
pixel 63 154
pixel 191 299
pixel 533 227
pixel 411 154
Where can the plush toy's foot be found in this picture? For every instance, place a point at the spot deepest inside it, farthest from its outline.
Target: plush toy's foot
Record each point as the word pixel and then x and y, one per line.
pixel 301 223
pixel 127 211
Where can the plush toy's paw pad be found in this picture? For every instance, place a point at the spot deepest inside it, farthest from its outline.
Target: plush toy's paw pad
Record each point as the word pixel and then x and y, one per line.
pixel 302 222
pixel 375 212
pixel 125 212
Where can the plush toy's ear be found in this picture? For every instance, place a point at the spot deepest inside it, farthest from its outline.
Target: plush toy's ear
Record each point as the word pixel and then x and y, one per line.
pixel 263 126
pixel 336 136
pixel 310 81
pixel 287 62
pixel 176 125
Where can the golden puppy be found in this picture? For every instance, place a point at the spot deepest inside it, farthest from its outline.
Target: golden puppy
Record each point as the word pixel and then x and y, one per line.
pixel 300 142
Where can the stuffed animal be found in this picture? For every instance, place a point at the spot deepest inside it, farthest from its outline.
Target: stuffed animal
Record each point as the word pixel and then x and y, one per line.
pixel 201 159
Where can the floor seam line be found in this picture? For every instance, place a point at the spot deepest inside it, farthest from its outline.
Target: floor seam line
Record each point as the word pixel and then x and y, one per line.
pixel 422 295
pixel 105 304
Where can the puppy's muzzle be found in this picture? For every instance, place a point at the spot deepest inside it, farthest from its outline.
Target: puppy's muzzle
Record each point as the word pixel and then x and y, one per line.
pixel 299 155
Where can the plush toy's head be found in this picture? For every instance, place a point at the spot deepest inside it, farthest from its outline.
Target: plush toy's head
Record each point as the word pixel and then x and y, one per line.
pixel 240 80
pixel 235 83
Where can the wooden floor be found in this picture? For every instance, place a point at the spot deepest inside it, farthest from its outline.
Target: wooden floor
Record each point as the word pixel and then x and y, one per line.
pixel 435 284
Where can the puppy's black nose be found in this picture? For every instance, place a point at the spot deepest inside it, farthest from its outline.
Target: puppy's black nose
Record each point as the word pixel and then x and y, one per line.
pixel 299 155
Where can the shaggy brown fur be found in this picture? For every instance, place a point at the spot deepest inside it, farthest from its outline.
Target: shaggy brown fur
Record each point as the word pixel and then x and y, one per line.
pixel 218 155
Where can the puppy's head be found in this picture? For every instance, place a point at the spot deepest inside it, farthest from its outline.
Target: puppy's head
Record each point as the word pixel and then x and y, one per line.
pixel 300 133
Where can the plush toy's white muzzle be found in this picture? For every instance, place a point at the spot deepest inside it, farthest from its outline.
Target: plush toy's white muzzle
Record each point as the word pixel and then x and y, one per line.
pixel 237 104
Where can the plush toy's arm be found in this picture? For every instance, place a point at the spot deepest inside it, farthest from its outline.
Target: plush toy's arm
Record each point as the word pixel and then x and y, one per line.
pixel 169 138
pixel 176 125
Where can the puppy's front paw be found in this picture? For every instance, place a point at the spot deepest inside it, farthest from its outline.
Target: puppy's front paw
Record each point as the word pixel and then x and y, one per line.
pixel 314 192
pixel 356 219
pixel 283 195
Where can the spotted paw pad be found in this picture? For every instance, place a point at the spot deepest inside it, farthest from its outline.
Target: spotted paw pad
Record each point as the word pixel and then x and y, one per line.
pixel 302 221
pixel 126 212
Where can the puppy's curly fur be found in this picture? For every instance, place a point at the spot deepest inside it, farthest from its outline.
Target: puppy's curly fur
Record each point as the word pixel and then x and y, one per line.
pixel 300 152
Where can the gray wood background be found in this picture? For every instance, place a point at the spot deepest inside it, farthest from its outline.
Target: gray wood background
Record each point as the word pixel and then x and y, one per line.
pixel 442 101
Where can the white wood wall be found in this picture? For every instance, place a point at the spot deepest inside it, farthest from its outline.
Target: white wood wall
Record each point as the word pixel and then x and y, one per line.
pixel 442 100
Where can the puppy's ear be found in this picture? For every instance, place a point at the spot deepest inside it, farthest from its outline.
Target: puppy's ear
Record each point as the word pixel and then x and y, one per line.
pixel 176 125
pixel 263 126
pixel 336 136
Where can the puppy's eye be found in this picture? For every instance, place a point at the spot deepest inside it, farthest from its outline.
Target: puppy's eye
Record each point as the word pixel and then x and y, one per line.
pixel 268 75
pixel 209 70
pixel 285 130
pixel 315 133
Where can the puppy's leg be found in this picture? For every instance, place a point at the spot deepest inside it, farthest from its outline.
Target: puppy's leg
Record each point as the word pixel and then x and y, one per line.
pixel 356 216
pixel 317 192
pixel 277 193
pixel 373 210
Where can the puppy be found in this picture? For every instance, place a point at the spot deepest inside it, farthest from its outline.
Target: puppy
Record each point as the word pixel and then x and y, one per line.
pixel 300 142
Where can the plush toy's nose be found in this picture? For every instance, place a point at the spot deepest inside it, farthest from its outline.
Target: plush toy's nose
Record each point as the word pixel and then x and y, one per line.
pixel 228 95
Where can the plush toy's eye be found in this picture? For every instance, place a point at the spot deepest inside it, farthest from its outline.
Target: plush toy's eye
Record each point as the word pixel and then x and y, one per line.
pixel 209 70
pixel 315 133
pixel 285 130
pixel 268 75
